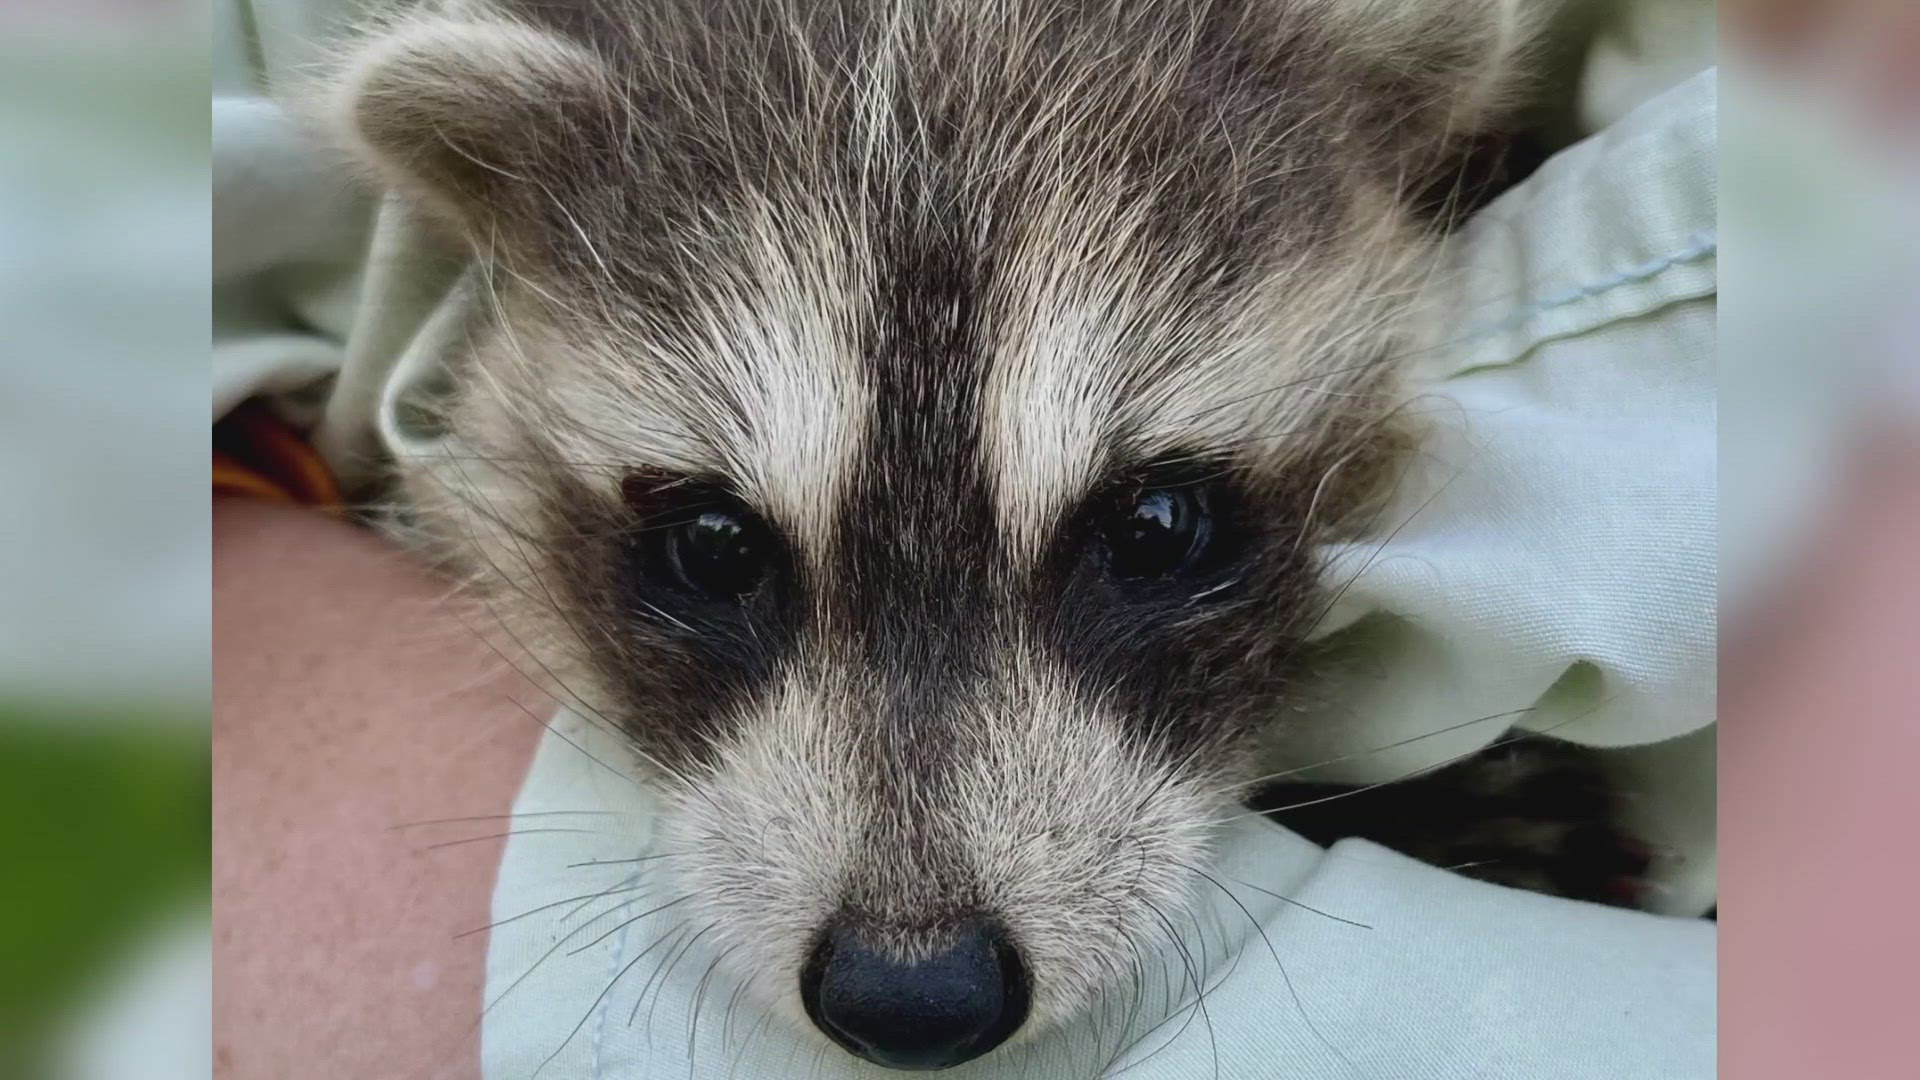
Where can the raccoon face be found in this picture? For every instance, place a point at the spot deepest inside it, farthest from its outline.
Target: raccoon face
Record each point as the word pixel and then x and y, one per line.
pixel 914 424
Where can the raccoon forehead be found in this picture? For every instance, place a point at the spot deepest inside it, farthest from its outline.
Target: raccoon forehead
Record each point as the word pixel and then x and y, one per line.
pixel 1076 365
pixel 759 384
pixel 1142 361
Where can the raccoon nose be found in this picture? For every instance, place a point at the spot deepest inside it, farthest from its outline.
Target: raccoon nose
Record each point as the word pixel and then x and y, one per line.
pixel 916 1014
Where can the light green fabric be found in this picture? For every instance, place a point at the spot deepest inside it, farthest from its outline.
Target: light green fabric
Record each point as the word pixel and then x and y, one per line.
pixel 1549 560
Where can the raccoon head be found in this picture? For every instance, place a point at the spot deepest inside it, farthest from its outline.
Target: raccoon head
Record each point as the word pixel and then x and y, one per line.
pixel 914 422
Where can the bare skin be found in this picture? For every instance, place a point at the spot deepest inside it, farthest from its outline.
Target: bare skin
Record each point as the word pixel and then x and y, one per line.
pixel 349 704
pixel 1819 693
pixel 1819 688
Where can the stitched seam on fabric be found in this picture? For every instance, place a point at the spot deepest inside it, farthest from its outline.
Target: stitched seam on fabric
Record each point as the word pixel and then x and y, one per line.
pixel 1704 244
pixel 595 1066
pixel 1539 341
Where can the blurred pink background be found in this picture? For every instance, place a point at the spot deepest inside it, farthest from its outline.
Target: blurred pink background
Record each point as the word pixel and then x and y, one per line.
pixel 1820 672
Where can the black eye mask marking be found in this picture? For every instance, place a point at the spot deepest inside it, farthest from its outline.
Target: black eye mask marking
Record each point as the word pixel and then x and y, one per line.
pixel 1164 534
pixel 1169 532
pixel 1162 594
pixel 710 548
pixel 700 567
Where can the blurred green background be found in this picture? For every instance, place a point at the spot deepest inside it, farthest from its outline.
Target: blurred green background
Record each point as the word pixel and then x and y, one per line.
pixel 107 835
pixel 104 580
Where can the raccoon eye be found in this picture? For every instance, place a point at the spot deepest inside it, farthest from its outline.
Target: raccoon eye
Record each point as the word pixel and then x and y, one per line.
pixel 1158 531
pixel 696 537
pixel 718 552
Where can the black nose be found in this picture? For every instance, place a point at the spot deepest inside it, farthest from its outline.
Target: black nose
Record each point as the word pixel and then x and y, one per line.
pixel 916 1014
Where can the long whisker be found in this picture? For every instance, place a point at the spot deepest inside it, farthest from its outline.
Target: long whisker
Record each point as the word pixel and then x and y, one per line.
pixel 1278 896
pixel 497 817
pixel 602 996
pixel 499 836
pixel 581 901
pixel 1298 1005
pixel 1497 743
pixel 1383 747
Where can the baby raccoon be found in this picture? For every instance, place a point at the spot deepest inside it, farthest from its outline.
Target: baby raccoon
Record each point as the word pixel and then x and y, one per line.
pixel 914 422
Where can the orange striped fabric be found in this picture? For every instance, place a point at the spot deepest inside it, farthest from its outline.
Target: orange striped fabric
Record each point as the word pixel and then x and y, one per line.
pixel 258 455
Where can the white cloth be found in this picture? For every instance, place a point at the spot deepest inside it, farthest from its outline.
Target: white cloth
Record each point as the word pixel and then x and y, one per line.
pixel 1549 559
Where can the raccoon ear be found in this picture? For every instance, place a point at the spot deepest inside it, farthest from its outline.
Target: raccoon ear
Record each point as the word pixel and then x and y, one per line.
pixel 475 118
